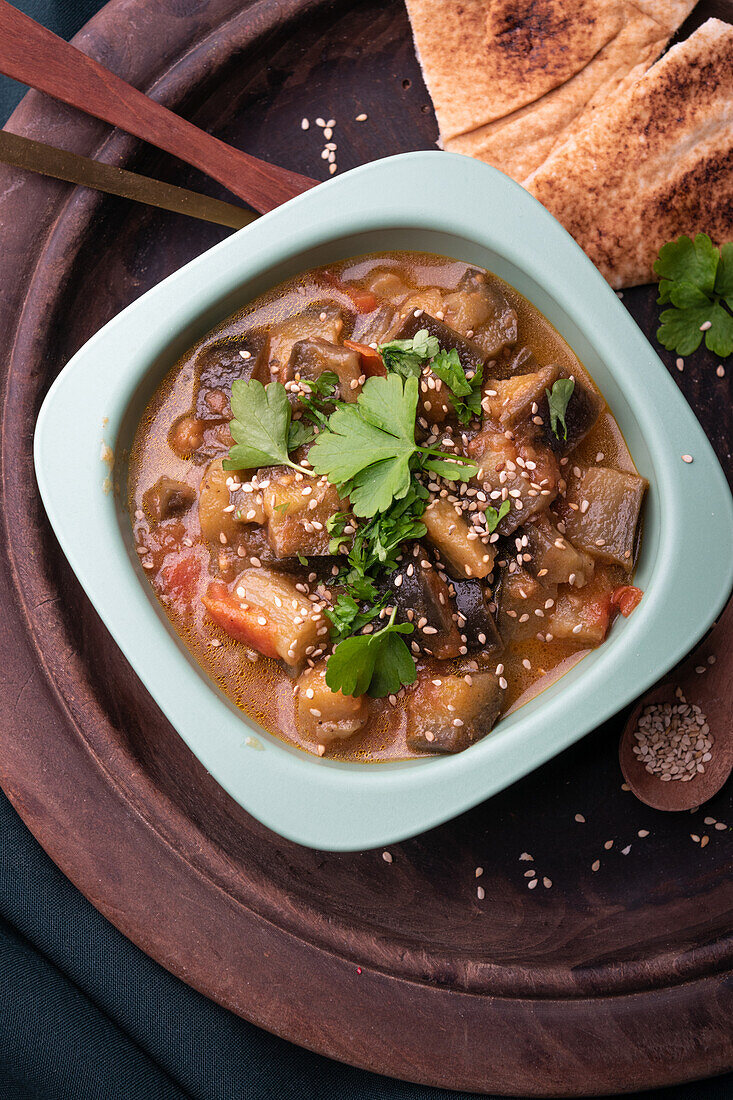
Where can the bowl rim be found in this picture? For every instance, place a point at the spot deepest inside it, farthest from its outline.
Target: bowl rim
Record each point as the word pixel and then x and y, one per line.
pixel 317 801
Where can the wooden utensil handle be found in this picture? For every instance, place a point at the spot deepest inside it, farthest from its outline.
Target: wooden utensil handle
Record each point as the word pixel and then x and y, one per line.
pixel 35 56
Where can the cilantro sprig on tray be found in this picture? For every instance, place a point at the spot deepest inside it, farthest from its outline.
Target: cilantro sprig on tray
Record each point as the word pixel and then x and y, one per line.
pixel 696 281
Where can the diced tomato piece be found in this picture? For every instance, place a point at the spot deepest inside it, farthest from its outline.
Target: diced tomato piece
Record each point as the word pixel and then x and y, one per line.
pixel 239 623
pixel 626 597
pixel 598 610
pixel 364 300
pixel 371 361
pixel 181 579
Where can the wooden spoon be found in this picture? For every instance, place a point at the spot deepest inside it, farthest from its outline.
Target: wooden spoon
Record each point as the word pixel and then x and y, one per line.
pixel 712 691
pixel 35 56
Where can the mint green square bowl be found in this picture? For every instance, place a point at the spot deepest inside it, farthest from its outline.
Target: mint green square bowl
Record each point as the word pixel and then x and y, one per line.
pixel 433 202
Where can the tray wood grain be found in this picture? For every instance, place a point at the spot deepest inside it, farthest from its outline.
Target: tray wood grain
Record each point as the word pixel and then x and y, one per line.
pixel 607 981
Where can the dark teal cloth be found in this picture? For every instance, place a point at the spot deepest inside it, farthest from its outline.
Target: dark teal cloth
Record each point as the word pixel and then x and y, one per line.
pixel 85 1015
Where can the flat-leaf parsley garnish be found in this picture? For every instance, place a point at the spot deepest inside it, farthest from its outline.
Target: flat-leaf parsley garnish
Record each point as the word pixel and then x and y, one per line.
pixel 494 518
pixel 366 450
pixel 261 427
pixel 405 357
pixel 696 280
pixel 557 399
pixel 465 391
pixel 376 664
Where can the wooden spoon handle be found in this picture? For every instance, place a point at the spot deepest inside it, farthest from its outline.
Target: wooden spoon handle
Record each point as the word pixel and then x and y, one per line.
pixel 35 56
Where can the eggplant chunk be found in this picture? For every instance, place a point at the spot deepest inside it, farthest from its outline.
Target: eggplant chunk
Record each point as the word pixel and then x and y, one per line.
pixel 264 610
pixel 530 485
pixel 524 604
pixel 324 715
pixel 458 543
pixel 554 558
pixel 218 365
pixel 475 619
pixel 605 520
pixel 310 358
pixel 447 712
pixel 321 320
pixel 511 399
pixel 470 354
pixel 482 312
pixel 584 408
pixel 422 597
pixel 168 498
pixel 296 513
pixel 378 327
pixel 583 617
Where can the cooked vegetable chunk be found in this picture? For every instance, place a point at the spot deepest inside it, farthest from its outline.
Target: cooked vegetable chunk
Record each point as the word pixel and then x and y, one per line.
pixel 512 399
pixel 422 597
pixel 583 616
pixel 475 618
pixel 517 469
pixel 214 501
pixel 608 506
pixel 524 604
pixel 323 320
pixel 476 305
pixel 266 611
pixel 583 409
pixel 325 715
pixel 554 559
pixel 296 512
pixel 186 436
pixel 449 712
pixel 310 358
pixel 167 498
pixel 458 544
pixel 220 364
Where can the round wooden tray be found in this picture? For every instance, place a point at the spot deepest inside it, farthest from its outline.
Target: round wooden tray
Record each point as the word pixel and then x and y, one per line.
pixel 604 981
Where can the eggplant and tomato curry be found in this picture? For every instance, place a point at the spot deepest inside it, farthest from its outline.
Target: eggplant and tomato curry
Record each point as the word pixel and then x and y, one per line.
pixel 383 504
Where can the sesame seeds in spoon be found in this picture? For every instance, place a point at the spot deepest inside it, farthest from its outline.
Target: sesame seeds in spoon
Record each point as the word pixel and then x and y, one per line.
pixel 676 749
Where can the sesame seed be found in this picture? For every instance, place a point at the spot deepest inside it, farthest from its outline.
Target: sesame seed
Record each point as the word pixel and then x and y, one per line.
pixel 705 326
pixel 478 872
pixel 547 883
pixel 387 857
pixel 580 819
pixel 720 370
pixel 305 124
pixel 642 833
pixel 480 893
pixel 526 856
pixel 687 458
pixel 361 118
pixel 595 866
pixel 532 883
pixel 680 364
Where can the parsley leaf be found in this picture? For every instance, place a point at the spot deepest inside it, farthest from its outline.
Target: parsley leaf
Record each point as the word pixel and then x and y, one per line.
pixel 347 618
pixel 494 518
pixel 319 402
pixel 724 276
pixel 404 357
pixel 558 399
pixel 261 427
pixel 299 433
pixel 696 280
pixel 324 385
pixel 466 392
pixel 367 449
pixel 377 664
pixel 447 366
pixel 687 261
